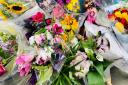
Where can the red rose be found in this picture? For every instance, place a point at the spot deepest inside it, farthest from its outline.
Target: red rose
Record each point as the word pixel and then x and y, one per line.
pixel 38 17
pixel 123 21
pixel 2 69
pixel 124 11
pixel 48 21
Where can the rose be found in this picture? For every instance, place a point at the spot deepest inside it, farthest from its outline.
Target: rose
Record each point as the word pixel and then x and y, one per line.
pixel 2 69
pixel 38 17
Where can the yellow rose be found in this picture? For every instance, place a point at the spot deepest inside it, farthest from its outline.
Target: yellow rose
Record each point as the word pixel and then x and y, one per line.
pixel 120 27
pixel 125 15
pixel 118 14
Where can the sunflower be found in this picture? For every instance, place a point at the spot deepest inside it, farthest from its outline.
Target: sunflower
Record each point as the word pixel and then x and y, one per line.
pixel 17 8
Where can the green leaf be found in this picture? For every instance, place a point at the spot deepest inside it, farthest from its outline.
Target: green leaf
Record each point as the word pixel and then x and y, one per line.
pixel 42 30
pixel 99 68
pixel 67 79
pixel 90 54
pixel 44 75
pixel 89 43
pixel 75 82
pixel 40 68
pixel 94 78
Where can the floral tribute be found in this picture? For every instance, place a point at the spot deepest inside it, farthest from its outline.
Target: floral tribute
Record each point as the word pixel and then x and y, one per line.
pixel 62 54
pixel 54 45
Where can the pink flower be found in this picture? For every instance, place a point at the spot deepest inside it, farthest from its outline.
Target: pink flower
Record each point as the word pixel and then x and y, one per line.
pixel 24 63
pixel 57 40
pixel 43 57
pixel 2 69
pixel 57 29
pixel 58 11
pixel 40 38
pixel 38 17
pixel 24 58
pixel 24 69
pixel 91 15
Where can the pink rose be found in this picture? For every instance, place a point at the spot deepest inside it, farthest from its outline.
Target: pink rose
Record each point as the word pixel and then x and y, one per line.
pixel 57 29
pixel 38 17
pixel 58 11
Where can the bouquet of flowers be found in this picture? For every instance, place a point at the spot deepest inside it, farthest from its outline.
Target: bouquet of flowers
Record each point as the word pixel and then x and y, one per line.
pixel 12 9
pixel 62 54
pixel 63 43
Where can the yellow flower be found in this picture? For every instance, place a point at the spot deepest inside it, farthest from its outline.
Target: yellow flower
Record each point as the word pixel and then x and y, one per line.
pixel 120 27
pixel 70 25
pixel 2 16
pixel 2 2
pixel 17 8
pixel 73 6
pixel 64 37
pixel 118 14
pixel 125 15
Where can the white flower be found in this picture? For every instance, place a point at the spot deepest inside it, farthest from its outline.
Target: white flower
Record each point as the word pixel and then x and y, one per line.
pixel 32 40
pixel 74 41
pixel 83 67
pixel 44 55
pixel 99 57
pixel 49 36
